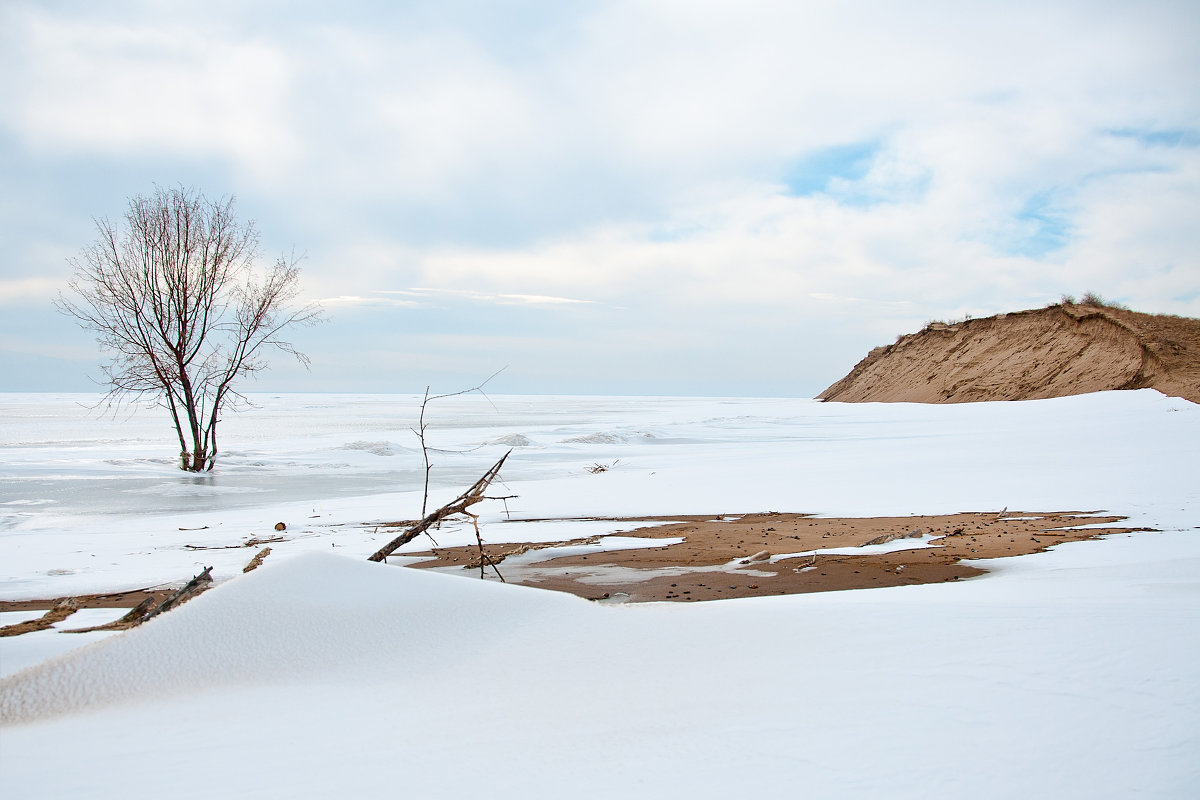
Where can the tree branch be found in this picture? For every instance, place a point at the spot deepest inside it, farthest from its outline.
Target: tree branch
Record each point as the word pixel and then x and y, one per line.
pixel 459 505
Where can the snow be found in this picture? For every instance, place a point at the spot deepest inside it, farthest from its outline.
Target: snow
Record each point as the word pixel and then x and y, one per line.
pixel 1069 673
pixel 894 546
pixel 28 649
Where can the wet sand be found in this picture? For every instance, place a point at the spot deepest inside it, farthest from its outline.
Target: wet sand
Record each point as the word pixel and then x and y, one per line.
pixel 717 557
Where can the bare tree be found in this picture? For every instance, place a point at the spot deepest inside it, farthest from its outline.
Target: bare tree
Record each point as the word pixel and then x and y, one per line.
pixel 177 299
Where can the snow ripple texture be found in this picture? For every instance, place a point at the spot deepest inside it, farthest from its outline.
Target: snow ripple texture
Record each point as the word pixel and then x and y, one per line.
pixel 311 614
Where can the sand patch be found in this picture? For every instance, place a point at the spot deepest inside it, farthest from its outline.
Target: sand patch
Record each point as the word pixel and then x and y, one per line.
pixel 694 558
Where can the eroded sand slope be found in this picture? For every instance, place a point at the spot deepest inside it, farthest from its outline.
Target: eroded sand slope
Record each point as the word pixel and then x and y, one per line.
pixel 1049 352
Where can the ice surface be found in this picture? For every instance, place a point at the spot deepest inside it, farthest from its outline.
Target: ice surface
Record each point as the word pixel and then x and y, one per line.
pixel 95 503
pixel 1069 673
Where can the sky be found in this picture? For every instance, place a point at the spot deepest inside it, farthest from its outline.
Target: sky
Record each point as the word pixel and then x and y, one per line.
pixel 658 197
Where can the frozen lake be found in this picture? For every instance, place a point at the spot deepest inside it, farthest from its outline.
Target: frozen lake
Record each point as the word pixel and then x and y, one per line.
pixel 62 457
pixel 62 454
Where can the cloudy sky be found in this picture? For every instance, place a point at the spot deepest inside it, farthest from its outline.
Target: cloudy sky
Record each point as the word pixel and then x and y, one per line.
pixel 653 197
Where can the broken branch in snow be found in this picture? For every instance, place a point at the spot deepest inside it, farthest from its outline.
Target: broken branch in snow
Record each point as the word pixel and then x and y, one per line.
pixel 257 561
pixel 57 614
pixel 457 506
pixel 193 587
pixel 247 543
pixel 146 610
pixel 130 620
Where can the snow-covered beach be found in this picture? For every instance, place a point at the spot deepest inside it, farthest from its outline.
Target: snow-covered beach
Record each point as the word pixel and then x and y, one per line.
pixel 1066 673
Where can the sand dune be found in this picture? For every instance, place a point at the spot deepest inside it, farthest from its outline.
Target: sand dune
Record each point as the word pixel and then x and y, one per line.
pixel 1065 349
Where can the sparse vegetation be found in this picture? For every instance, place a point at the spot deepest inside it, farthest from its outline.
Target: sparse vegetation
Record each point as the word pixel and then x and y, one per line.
pixel 1091 299
pixel 945 322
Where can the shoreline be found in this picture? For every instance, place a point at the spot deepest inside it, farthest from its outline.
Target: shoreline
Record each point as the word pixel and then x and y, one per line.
pixel 739 555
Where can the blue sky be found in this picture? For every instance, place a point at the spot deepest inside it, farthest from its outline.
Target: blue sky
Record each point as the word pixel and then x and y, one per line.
pixel 612 197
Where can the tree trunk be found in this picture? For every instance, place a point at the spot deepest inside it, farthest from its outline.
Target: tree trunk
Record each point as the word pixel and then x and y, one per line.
pixel 199 461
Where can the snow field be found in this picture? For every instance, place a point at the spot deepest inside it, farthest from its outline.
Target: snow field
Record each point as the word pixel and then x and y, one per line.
pixel 1069 673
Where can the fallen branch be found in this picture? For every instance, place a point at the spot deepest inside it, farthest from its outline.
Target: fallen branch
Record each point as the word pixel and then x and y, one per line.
pixel 193 587
pixel 57 614
pixel 247 543
pixel 146 609
pixel 133 618
pixel 257 561
pixel 457 506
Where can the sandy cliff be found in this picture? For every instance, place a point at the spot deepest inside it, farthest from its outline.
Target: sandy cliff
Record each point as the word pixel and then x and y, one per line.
pixel 1049 352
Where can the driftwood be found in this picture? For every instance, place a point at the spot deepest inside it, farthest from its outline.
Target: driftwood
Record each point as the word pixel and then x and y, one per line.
pixel 257 561
pixel 247 543
pixel 457 506
pixel 57 614
pixel 130 620
pixel 193 587
pixel 146 609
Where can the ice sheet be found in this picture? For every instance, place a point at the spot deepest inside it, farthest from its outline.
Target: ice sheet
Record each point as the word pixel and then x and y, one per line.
pixel 95 503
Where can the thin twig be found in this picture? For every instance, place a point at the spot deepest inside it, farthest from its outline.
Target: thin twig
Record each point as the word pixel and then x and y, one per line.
pixel 484 558
pixel 421 427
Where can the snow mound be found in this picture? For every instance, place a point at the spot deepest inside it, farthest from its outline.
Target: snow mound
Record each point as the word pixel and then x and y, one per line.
pixel 512 440
pixel 311 614
pixel 376 448
pixel 603 437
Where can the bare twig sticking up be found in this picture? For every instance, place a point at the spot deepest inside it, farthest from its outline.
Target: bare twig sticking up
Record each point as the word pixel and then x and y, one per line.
pixel 457 506
pixel 484 558
pixel 421 427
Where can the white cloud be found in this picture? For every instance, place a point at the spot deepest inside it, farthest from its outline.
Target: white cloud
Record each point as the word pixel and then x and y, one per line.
pixel 498 299
pixel 350 300
pixel 23 290
pixel 539 300
pixel 940 247
pixel 112 87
